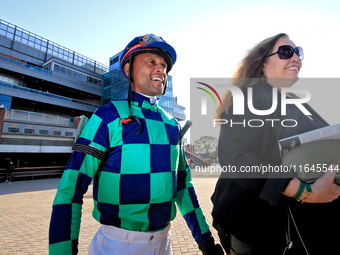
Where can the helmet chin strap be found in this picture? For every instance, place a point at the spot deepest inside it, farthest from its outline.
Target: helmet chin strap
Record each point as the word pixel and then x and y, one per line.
pixel 130 85
pixel 131 117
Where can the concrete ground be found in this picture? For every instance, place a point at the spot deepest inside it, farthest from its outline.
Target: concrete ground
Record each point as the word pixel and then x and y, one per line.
pixel 25 210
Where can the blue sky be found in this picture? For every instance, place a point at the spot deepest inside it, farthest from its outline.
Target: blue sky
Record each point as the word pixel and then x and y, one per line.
pixel 210 37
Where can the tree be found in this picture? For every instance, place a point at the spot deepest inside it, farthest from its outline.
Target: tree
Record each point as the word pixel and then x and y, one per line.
pixel 206 144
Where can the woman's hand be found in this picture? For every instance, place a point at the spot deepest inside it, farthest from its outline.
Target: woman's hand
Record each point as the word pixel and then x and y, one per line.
pixel 324 189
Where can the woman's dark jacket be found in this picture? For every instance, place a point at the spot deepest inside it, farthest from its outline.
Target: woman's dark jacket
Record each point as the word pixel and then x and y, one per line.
pixel 254 209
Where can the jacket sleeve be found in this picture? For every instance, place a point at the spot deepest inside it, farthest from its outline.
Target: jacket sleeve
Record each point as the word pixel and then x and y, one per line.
pixel 67 205
pixel 187 202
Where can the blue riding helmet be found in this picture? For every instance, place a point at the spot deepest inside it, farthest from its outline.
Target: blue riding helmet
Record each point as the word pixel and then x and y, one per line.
pixel 148 43
pixel 145 44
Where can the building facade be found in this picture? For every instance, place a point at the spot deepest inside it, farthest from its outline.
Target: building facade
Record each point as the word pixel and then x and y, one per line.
pixel 44 87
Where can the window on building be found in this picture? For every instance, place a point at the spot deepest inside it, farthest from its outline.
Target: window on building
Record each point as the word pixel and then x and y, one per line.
pixel 13 130
pixel 114 60
pixel 43 132
pixel 29 131
pixel 56 133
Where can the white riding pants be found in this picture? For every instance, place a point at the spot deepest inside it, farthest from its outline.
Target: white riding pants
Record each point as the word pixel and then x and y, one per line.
pixel 117 241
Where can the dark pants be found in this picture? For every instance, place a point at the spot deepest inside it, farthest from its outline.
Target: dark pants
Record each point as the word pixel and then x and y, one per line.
pixel 9 176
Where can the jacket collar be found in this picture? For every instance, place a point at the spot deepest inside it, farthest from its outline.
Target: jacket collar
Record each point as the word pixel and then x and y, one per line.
pixel 140 98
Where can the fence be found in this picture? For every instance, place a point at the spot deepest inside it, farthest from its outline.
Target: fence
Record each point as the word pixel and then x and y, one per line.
pixel 32 172
pixel 24 116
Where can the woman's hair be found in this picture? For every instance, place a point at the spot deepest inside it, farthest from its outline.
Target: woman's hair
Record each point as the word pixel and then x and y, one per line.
pixel 249 70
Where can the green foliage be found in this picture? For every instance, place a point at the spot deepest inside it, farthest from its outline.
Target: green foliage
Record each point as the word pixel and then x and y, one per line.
pixel 206 144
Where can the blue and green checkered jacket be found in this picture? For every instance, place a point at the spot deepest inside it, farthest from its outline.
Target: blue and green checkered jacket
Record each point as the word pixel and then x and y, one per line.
pixel 137 179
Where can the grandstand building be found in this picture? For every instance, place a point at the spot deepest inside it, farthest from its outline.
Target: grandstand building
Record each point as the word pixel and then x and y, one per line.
pixel 44 87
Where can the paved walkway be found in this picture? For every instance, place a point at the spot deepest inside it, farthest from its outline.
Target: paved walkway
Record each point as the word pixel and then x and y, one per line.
pixel 25 209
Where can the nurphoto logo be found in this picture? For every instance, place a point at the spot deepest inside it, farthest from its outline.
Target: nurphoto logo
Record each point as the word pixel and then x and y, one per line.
pixel 239 104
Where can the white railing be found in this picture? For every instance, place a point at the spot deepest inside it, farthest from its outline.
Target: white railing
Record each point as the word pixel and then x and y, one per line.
pixel 35 117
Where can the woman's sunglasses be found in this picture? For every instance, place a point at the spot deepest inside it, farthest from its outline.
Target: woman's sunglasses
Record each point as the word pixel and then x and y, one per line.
pixel 287 51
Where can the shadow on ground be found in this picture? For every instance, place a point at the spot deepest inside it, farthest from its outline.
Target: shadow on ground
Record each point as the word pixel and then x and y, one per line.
pixel 28 186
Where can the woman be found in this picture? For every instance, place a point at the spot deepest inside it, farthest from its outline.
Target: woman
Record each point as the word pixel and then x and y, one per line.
pixel 251 214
